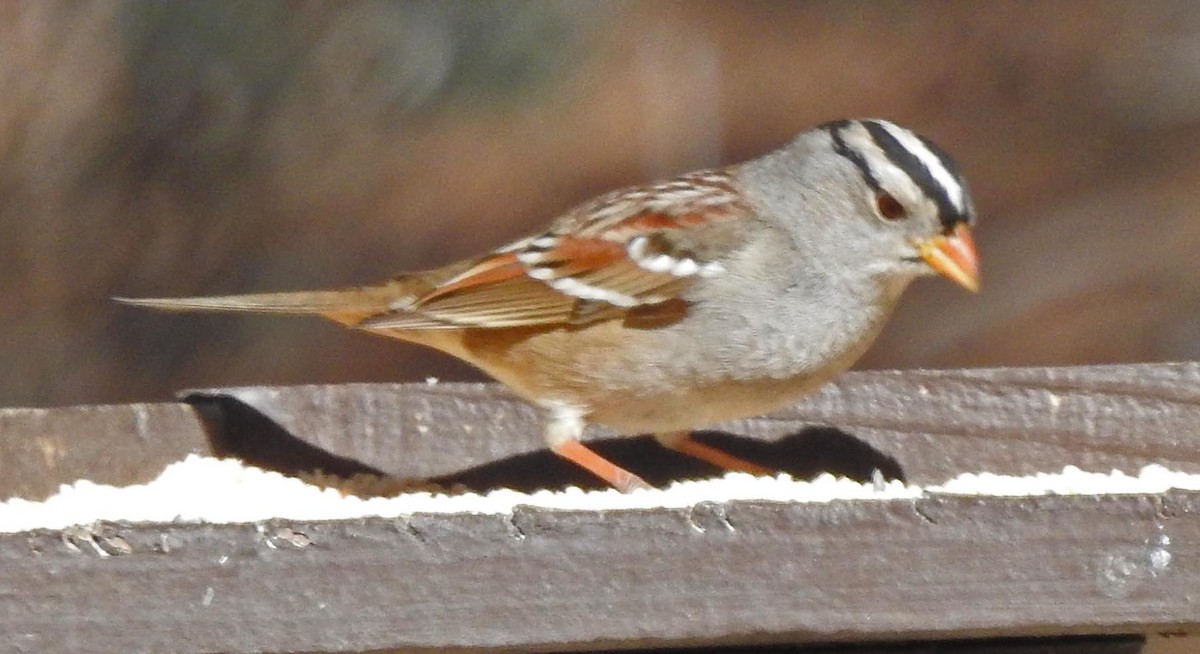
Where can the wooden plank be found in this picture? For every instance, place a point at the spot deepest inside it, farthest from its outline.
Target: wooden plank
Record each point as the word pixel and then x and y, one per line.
pixel 118 445
pixel 731 574
pixel 1069 645
pixel 544 580
pixel 923 426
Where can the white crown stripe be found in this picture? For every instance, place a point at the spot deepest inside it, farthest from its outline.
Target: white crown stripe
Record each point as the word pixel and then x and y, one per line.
pixel 882 169
pixel 954 189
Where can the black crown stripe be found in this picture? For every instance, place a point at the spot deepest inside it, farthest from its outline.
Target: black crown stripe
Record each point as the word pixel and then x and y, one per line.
pixel 917 171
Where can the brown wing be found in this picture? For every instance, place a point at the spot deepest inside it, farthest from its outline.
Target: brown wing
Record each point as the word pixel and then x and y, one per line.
pixel 625 251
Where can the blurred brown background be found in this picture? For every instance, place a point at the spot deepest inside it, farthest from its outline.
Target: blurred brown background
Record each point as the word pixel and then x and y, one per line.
pixel 199 148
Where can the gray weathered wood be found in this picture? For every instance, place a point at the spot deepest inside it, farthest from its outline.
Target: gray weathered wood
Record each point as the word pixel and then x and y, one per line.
pixel 113 444
pixel 542 580
pixel 924 425
pixel 933 569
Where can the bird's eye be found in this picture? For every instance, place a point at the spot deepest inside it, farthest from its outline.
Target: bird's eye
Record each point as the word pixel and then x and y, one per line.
pixel 889 207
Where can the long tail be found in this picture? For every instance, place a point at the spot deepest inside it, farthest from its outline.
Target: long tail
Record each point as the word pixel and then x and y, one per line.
pixel 297 302
pixel 348 306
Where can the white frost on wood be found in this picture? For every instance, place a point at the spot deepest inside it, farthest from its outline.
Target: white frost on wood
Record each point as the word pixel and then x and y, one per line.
pixel 203 489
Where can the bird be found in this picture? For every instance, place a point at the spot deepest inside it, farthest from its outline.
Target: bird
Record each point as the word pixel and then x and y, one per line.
pixel 671 306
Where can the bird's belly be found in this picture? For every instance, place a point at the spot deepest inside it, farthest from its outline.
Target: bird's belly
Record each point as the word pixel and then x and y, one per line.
pixel 653 382
pixel 699 406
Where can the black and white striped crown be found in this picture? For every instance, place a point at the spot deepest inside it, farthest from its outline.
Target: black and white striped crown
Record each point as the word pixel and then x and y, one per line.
pixel 902 163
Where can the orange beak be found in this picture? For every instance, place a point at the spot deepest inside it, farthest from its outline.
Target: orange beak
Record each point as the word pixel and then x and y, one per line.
pixel 953 256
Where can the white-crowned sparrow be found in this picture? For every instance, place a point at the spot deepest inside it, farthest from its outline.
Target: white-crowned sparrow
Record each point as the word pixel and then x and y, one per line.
pixel 663 308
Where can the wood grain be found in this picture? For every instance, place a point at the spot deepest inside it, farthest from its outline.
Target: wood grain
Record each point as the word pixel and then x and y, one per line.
pixel 539 580
pixel 924 426
pixel 113 444
pixel 951 573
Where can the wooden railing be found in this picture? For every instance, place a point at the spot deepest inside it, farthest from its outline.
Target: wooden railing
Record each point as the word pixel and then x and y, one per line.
pixel 1093 573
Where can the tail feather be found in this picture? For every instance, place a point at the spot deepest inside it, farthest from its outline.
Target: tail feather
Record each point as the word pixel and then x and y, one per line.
pixel 346 301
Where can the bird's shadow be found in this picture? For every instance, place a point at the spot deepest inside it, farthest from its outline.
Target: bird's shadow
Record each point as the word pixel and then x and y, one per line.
pixel 238 430
pixel 803 455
